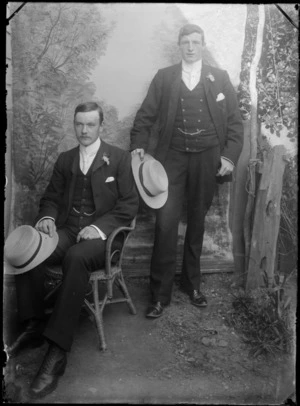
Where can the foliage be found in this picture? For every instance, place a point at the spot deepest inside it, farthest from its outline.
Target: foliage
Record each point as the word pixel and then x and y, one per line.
pixel 262 318
pixel 277 90
pixel 277 79
pixel 277 71
pixel 288 235
pixel 55 46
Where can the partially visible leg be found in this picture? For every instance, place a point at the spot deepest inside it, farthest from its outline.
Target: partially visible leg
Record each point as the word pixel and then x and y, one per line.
pixel 80 260
pixel 163 262
pixel 201 189
pixel 30 285
pixel 30 297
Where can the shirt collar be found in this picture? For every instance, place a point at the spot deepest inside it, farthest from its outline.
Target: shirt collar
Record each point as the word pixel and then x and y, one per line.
pixel 192 68
pixel 90 149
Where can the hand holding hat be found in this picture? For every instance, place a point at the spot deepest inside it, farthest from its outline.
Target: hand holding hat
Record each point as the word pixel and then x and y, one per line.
pixel 151 180
pixel 25 248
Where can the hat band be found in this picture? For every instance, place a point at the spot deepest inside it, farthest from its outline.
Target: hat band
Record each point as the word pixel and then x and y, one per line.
pixel 32 257
pixel 142 181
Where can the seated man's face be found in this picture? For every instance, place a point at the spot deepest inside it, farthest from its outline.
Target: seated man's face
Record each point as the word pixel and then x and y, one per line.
pixel 87 127
pixel 191 47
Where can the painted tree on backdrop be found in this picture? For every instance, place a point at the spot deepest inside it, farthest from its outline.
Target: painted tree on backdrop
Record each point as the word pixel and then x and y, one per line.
pixel 54 48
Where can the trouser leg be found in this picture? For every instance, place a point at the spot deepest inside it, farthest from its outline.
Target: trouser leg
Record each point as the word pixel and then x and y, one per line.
pixel 30 290
pixel 30 294
pixel 201 186
pixel 163 262
pixel 78 263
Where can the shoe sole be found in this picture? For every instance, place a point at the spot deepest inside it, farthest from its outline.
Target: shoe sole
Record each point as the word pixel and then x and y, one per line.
pixel 199 305
pixel 51 387
pixel 153 317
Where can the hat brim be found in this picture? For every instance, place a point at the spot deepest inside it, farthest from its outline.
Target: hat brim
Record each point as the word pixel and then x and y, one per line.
pixel 155 202
pixel 47 247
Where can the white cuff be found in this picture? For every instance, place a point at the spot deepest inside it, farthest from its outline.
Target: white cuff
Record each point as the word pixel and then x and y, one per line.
pixel 102 235
pixel 227 159
pixel 43 218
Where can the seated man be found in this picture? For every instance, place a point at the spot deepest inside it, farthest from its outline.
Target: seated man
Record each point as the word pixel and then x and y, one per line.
pixel 91 192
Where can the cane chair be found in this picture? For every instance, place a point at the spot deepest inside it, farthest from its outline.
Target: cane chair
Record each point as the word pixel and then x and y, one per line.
pixel 110 275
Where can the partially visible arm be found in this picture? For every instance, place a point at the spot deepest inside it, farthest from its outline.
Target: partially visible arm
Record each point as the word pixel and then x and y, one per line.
pixel 235 129
pixel 127 203
pixel 53 196
pixel 147 115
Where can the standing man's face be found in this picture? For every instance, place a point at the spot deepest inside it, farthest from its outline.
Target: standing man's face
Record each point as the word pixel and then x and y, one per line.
pixel 191 47
pixel 87 127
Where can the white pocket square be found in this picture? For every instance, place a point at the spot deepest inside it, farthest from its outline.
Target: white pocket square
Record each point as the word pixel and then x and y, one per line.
pixel 110 179
pixel 220 97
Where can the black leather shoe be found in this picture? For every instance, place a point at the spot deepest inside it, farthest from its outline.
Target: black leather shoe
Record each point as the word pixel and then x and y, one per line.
pixel 198 299
pixel 53 366
pixel 30 338
pixel 155 310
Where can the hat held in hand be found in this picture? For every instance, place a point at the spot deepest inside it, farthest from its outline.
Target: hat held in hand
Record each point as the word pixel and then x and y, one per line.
pixel 25 248
pixel 151 180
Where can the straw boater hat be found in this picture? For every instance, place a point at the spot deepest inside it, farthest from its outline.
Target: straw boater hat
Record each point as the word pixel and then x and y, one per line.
pixel 25 248
pixel 151 180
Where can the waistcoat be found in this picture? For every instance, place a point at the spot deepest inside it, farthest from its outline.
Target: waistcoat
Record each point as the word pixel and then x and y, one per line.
pixel 193 117
pixel 83 207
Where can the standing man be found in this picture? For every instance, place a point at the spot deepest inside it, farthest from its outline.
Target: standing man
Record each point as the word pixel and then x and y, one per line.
pixel 91 192
pixel 199 143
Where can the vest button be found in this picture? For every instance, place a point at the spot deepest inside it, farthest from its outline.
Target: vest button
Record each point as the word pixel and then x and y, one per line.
pixel 200 110
pixel 184 119
pixel 187 149
pixel 201 99
pixel 198 121
pixel 183 109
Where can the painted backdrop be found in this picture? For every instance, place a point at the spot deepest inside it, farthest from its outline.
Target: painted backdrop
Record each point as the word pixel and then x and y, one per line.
pixel 67 53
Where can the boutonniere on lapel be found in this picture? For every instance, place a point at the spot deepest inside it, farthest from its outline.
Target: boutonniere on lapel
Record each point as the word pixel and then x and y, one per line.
pixel 220 97
pixel 210 77
pixel 105 158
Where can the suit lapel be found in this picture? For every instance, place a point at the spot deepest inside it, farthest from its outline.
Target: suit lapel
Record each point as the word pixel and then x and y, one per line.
pixel 211 95
pixel 175 82
pixel 98 161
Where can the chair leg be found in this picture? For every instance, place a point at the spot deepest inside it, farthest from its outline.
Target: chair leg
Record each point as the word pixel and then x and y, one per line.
pixel 122 286
pixel 98 314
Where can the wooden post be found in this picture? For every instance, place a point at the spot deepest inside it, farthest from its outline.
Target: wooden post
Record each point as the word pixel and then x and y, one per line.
pixel 251 184
pixel 266 219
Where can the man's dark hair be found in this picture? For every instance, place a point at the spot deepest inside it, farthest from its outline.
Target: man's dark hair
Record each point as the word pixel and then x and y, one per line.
pixel 190 29
pixel 89 106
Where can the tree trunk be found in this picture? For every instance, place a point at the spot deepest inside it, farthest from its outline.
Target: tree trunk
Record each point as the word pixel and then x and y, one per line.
pixel 266 221
pixel 253 136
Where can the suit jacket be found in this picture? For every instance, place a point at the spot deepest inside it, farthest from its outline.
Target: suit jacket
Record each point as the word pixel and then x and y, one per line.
pixel 161 104
pixel 116 202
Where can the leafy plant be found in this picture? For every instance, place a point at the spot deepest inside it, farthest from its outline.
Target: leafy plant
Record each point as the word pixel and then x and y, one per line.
pixel 262 318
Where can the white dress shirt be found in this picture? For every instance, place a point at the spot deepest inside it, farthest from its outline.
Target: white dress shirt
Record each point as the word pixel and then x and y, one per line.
pixel 86 157
pixel 191 73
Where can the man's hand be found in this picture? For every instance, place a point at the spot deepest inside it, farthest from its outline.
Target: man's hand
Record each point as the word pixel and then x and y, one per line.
pixel 139 151
pixel 46 226
pixel 226 167
pixel 87 233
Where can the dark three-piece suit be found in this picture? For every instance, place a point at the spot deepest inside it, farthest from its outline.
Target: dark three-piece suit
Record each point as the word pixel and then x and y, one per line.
pixel 195 128
pixel 106 197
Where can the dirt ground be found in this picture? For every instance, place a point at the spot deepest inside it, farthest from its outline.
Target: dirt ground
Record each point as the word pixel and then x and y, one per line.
pixel 189 355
